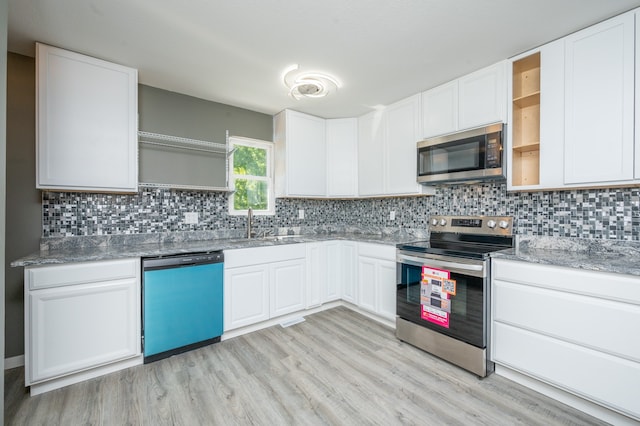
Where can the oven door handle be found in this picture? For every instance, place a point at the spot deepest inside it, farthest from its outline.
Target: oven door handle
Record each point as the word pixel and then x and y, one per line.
pixel 462 268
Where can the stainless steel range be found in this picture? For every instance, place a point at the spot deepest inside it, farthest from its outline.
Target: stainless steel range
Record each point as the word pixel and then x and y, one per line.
pixel 443 288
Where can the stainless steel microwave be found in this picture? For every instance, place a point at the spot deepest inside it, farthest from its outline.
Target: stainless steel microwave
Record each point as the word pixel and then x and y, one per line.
pixel 471 155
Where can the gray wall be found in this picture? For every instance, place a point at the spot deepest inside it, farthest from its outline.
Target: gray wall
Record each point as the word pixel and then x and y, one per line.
pixel 180 115
pixel 3 158
pixel 171 113
pixel 23 199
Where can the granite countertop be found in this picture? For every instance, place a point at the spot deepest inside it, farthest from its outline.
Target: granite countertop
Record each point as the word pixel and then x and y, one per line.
pixel 621 257
pixel 76 249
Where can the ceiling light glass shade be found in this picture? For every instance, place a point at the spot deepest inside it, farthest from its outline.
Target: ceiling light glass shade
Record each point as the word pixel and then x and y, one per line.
pixel 308 84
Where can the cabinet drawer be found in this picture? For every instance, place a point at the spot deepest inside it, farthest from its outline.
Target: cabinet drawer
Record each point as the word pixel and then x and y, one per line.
pixel 593 283
pixel 260 255
pixel 79 273
pixel 379 251
pixel 599 377
pixel 584 320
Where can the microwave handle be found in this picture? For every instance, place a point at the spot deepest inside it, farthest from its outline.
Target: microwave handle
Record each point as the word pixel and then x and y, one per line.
pixel 462 268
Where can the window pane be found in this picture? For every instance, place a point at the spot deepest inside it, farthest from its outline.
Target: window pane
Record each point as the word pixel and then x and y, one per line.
pixel 248 160
pixel 250 193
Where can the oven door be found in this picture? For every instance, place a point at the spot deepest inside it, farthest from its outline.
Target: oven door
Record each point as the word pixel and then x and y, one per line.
pixel 450 298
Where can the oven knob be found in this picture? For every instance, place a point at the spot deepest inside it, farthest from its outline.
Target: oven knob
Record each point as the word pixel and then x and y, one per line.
pixel 503 224
pixel 443 222
pixel 491 224
pixel 434 222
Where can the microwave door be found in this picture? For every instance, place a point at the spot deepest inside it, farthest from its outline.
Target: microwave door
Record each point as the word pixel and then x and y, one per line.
pixel 451 158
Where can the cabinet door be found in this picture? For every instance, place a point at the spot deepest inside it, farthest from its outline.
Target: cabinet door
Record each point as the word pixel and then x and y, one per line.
pixel 349 268
pixel 599 76
pixel 402 132
pixel 334 264
pixel 387 289
pixel 287 283
pixel 370 154
pixel 73 328
pixel 316 274
pixel 306 155
pixel 367 283
pixel 342 157
pixel 483 97
pixel 246 296
pixel 87 123
pixel 440 110
pixel 552 114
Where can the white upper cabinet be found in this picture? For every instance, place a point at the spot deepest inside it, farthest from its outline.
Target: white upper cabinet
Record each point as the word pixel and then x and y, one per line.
pixel 599 103
pixel 577 130
pixel 482 97
pixel 86 123
pixel 371 154
pixel 471 101
pixel 301 165
pixel 403 130
pixel 387 150
pixel 636 173
pixel 342 157
pixel 440 109
pixel 535 136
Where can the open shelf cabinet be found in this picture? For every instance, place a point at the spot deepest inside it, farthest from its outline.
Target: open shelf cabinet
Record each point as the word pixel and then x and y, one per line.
pixel 526 121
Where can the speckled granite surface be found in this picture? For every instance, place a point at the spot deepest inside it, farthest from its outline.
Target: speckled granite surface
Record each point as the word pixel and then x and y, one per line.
pixel 83 249
pixel 622 257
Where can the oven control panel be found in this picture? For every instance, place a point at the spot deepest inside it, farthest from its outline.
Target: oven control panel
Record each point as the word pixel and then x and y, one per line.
pixel 484 225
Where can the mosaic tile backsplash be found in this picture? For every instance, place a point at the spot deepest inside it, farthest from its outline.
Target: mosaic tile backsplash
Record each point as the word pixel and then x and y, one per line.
pixel 603 213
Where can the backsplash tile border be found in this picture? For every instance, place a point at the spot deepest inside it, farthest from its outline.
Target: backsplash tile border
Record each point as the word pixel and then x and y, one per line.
pixel 594 213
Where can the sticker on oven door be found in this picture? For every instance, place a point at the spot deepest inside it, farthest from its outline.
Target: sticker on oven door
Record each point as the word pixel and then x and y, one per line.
pixel 432 294
pixel 428 271
pixel 435 316
pixel 449 287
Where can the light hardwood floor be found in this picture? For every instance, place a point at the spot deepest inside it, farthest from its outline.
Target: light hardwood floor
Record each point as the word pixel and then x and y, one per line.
pixel 338 367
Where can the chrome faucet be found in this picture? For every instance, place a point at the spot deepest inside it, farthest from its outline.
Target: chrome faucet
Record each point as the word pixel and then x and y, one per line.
pixel 249 222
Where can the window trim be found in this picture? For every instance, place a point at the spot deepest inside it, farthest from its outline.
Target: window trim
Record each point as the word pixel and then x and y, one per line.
pixel 253 143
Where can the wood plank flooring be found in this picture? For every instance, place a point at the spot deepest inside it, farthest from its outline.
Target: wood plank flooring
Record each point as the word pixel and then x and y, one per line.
pixel 336 368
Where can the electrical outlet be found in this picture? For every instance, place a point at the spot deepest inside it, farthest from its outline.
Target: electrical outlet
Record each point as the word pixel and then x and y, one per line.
pixel 392 215
pixel 301 214
pixel 191 218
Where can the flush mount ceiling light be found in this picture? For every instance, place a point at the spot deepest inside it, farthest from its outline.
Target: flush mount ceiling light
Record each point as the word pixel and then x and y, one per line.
pixel 308 84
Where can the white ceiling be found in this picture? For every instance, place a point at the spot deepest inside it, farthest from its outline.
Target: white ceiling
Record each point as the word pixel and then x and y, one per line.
pixel 234 51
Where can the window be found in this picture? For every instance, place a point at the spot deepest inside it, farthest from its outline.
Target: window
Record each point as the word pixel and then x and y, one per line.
pixel 251 176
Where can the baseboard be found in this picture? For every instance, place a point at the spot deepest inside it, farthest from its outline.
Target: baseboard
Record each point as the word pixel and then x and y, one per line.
pixel 279 320
pixel 567 398
pixel 14 362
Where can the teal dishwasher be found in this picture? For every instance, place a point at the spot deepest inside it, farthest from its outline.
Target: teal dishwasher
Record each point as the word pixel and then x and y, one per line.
pixel 182 303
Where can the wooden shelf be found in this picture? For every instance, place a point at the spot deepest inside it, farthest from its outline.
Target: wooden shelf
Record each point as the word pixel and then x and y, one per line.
pixel 525 151
pixel 527 100
pixel 532 146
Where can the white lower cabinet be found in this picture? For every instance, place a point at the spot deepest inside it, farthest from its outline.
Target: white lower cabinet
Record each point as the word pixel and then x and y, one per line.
pixel 348 271
pixel 246 296
pixel 574 329
pixel 262 283
pixel 331 267
pixel 79 317
pixel 317 273
pixel 287 284
pixel 377 279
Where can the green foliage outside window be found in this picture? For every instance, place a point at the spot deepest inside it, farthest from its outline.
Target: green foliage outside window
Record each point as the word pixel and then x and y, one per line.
pixel 250 193
pixel 249 161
